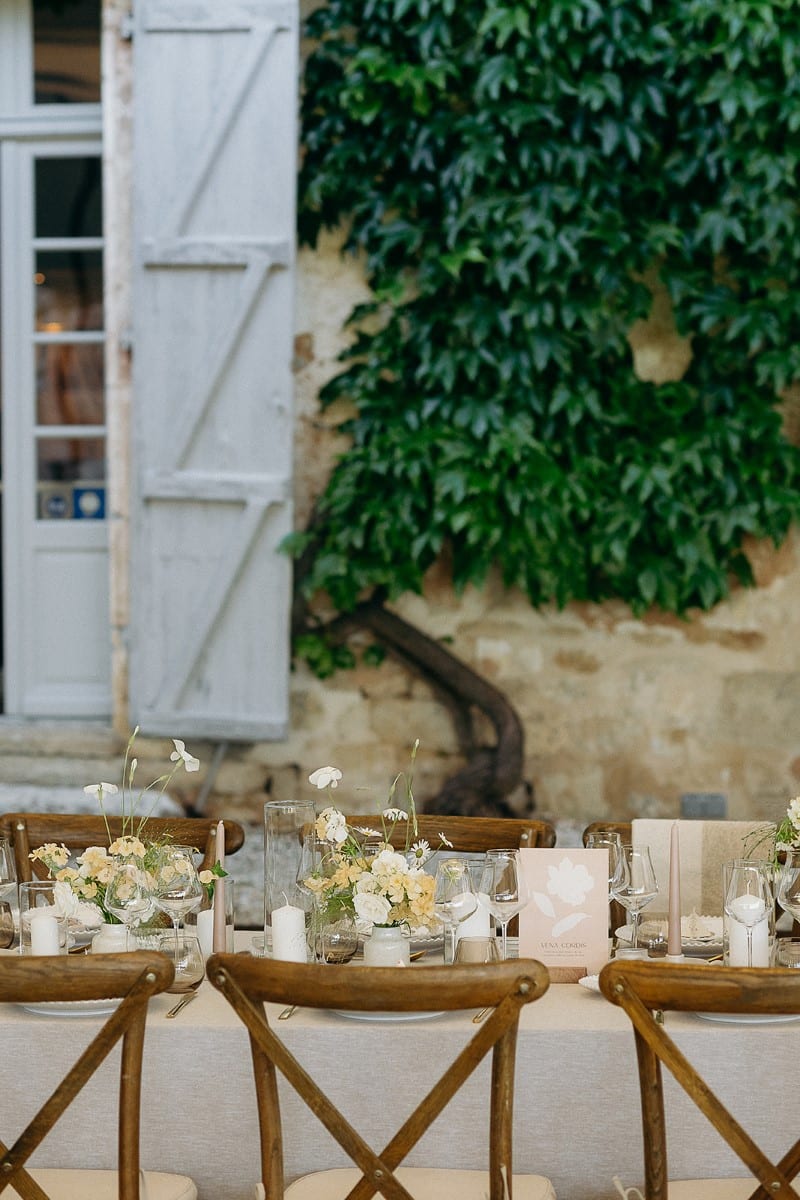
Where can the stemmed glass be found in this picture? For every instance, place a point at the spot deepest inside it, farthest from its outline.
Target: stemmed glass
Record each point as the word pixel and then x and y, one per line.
pixel 748 896
pixel 129 894
pixel 787 882
pixel 636 886
pixel 8 884
pixel 608 839
pixel 176 887
pixel 454 898
pixel 503 884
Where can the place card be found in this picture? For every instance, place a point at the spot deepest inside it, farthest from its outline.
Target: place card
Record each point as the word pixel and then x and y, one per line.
pixel 565 924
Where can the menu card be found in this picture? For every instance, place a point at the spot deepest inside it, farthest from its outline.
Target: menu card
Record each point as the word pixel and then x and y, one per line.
pixel 565 924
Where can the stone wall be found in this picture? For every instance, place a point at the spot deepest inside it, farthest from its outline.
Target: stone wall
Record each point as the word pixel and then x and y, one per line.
pixel 622 716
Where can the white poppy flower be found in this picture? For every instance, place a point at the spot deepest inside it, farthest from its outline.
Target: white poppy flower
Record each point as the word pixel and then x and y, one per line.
pixel 98 790
pixel 325 777
pixel 180 753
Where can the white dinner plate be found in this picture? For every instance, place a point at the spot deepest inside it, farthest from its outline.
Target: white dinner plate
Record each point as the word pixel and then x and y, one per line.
pixel 72 1008
pixel 386 1016
pixel 749 1018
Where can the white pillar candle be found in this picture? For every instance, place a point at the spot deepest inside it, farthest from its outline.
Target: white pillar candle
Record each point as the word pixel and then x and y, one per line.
pixel 755 911
pixel 44 934
pixel 478 924
pixel 205 931
pixel 289 934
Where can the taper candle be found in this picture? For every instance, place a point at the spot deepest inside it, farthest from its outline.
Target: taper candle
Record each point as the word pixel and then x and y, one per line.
pixel 674 944
pixel 220 940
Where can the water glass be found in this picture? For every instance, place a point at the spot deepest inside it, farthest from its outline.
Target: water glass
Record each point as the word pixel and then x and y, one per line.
pixel 477 950
pixel 788 953
pixel 43 930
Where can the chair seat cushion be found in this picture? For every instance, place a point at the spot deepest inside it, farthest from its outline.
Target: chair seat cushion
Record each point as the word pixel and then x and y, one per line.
pixel 422 1182
pixel 714 1189
pixel 102 1185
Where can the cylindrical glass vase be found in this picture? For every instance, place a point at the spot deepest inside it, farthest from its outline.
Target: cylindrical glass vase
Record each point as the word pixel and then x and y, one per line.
pixel 284 822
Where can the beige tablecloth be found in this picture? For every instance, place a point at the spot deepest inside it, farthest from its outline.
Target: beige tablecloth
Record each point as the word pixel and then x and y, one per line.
pixel 576 1107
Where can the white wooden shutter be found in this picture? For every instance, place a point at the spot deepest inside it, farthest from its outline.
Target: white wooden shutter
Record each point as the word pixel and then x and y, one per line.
pixel 215 135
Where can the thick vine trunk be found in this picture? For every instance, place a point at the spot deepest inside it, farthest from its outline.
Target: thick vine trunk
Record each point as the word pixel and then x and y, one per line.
pixel 491 772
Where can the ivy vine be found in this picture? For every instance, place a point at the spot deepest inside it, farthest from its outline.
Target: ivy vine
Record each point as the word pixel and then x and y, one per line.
pixel 513 174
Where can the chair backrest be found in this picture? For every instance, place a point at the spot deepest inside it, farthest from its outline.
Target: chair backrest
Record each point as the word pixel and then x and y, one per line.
pixel 29 830
pixel 133 979
pixel 647 989
pixel 623 828
pixel 248 982
pixel 470 835
pixel 705 846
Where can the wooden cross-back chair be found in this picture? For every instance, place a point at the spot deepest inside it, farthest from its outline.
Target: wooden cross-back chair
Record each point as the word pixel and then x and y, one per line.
pixel 506 987
pixel 645 990
pixel 133 979
pixel 623 828
pixel 28 830
pixel 470 835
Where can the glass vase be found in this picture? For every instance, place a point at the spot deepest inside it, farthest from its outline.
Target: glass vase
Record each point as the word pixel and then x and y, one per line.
pixel 284 823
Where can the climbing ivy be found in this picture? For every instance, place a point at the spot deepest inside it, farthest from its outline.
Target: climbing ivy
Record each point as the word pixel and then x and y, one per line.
pixel 514 176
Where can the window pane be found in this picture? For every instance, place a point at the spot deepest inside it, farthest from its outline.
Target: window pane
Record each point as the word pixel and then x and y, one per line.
pixel 68 197
pixel 69 385
pixel 70 475
pixel 66 51
pixel 69 290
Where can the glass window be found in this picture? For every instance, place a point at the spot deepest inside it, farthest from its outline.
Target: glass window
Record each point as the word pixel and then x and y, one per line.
pixel 69 385
pixel 68 197
pixel 70 475
pixel 69 290
pixel 66 51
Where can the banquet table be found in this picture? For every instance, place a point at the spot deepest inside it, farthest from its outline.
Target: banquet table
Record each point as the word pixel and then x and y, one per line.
pixel 576 1115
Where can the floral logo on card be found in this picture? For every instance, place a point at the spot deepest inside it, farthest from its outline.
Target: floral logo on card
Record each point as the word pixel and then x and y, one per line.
pixel 569 883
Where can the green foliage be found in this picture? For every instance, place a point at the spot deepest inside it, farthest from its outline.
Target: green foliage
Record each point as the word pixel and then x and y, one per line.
pixel 511 172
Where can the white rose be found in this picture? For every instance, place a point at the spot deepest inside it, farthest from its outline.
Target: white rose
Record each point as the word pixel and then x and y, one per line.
pixel 371 907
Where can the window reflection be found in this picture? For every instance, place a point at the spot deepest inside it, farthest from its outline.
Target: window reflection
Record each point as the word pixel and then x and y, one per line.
pixel 69 385
pixel 68 197
pixel 69 290
pixel 66 51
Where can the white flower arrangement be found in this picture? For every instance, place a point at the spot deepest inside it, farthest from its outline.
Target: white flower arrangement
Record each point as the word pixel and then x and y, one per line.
pixel 84 881
pixel 375 883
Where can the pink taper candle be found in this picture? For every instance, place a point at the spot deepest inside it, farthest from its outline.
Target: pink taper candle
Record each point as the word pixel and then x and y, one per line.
pixel 674 946
pixel 219 941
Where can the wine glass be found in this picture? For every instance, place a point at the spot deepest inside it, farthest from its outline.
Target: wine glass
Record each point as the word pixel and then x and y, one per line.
pixel 636 886
pixel 608 839
pixel 176 888
pixel 503 884
pixel 8 886
pixel 454 898
pixel 748 897
pixel 129 895
pixel 787 882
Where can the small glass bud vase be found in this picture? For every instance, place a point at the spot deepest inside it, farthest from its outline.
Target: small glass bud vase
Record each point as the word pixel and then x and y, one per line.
pixel 387 946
